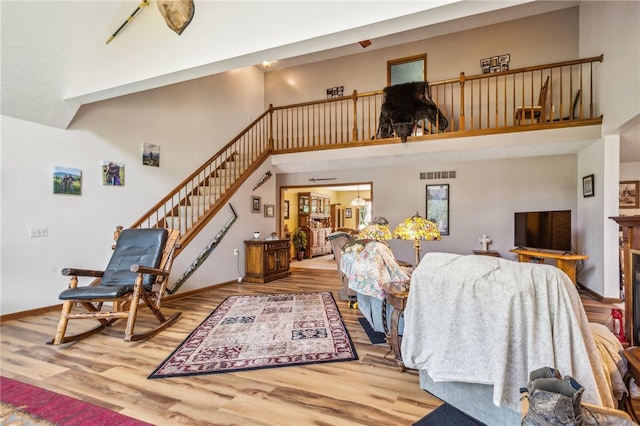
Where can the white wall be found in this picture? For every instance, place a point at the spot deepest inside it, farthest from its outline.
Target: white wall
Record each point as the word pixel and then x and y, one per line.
pixel 483 198
pixel 190 121
pixel 447 56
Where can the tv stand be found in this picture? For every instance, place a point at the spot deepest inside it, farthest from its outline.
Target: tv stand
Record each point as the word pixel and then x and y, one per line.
pixel 566 262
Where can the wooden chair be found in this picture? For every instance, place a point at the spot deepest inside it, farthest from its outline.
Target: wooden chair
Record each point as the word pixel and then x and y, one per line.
pixel 139 269
pixel 538 112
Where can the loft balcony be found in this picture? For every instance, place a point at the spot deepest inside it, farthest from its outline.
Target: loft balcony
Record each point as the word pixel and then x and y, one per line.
pixel 554 96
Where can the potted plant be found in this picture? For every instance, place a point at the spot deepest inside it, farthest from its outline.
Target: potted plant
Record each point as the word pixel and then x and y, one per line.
pixel 299 241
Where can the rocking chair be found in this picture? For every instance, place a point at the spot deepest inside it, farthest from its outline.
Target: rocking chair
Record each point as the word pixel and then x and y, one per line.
pixel 139 269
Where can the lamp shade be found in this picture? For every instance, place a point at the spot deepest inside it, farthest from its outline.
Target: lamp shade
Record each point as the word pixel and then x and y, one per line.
pixel 375 231
pixel 417 228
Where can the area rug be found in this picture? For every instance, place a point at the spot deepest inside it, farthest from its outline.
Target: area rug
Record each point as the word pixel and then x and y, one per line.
pixel 375 337
pixel 448 415
pixel 23 404
pixel 263 331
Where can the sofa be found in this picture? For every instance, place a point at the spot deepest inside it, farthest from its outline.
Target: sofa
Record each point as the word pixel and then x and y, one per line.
pixel 475 326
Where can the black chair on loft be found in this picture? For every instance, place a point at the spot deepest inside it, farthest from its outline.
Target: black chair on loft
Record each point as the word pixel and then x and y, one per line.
pixel 139 269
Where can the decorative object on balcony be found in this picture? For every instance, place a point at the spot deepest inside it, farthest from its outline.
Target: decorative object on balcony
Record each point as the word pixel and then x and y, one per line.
pixel 255 204
pixel 377 229
pixel 176 13
pixel 335 92
pixel 587 186
pixel 438 206
pixel 358 201
pixel 417 228
pixel 628 194
pixel 495 64
pixel 67 181
pixel 403 106
pixel 265 177
pixel 269 210
pixel 299 241
pixel 365 43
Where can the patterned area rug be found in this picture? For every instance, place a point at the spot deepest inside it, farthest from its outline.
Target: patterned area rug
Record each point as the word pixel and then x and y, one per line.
pixel 263 331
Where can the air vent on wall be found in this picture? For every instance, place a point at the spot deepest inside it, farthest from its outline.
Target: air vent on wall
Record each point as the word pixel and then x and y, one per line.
pixel 451 174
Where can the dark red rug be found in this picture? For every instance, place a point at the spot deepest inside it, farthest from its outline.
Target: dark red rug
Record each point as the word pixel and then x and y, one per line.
pixel 263 331
pixel 23 404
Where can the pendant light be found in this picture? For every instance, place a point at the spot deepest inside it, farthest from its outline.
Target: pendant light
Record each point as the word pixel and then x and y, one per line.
pixel 358 202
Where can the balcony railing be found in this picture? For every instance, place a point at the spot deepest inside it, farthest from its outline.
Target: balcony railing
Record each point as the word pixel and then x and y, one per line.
pixel 473 105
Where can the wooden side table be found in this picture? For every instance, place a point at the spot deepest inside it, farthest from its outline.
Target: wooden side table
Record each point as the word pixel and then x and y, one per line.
pixel 396 295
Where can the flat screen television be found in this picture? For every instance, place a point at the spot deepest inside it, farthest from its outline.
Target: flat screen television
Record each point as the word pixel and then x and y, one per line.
pixel 544 230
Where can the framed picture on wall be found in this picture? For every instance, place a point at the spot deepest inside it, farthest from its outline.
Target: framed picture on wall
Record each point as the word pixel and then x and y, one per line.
pixel 587 186
pixel 269 210
pixel 255 204
pixel 347 213
pixel 628 194
pixel 438 206
pixel 286 209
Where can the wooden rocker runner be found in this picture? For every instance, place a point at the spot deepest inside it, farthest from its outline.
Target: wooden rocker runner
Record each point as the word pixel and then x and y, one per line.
pixel 139 269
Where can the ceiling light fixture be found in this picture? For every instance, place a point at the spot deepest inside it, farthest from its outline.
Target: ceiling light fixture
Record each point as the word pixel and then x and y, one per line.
pixel 358 202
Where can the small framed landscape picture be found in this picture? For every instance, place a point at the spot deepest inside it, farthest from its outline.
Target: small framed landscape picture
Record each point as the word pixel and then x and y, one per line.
pixel 269 210
pixel 347 212
pixel 628 194
pixel 255 204
pixel 67 181
pixel 587 186
pixel 150 155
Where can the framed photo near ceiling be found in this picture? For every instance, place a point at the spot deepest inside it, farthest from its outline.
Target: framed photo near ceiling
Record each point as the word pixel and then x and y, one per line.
pixel 438 206
pixel 628 194
pixel 405 70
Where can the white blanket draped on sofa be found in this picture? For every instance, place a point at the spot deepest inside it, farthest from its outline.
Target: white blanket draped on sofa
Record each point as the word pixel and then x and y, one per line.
pixel 488 320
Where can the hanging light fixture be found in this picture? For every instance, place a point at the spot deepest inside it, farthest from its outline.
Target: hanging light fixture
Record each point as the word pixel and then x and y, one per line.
pixel 358 202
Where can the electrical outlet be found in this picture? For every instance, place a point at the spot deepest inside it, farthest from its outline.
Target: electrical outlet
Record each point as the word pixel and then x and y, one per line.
pixel 236 252
pixel 38 232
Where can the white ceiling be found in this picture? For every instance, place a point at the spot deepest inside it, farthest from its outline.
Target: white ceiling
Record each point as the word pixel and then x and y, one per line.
pixel 55 57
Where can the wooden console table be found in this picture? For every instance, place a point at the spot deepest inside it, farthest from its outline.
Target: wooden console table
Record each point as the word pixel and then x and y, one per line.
pixel 565 262
pixel 266 260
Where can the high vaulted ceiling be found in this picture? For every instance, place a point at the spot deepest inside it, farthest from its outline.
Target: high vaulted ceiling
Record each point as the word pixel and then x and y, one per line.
pixel 55 57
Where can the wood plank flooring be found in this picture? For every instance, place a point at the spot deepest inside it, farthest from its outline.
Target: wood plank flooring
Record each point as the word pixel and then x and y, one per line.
pixel 106 371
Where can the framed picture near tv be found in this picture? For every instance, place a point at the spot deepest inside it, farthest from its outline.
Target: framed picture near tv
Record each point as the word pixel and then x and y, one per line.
pixel 628 194
pixel 438 206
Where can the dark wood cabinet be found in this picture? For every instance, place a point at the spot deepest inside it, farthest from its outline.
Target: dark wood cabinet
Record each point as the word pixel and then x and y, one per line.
pixel 266 260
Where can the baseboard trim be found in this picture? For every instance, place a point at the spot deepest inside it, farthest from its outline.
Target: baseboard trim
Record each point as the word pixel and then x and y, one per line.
pixel 599 297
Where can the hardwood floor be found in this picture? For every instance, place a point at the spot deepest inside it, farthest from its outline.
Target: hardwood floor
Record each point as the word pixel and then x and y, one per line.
pixel 106 371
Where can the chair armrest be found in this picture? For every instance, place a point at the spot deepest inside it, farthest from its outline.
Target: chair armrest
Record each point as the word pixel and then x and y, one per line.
pixel 147 270
pixel 81 272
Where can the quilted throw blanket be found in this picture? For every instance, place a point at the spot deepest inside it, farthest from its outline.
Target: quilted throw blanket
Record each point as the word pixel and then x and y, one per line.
pixel 489 320
pixel 367 263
